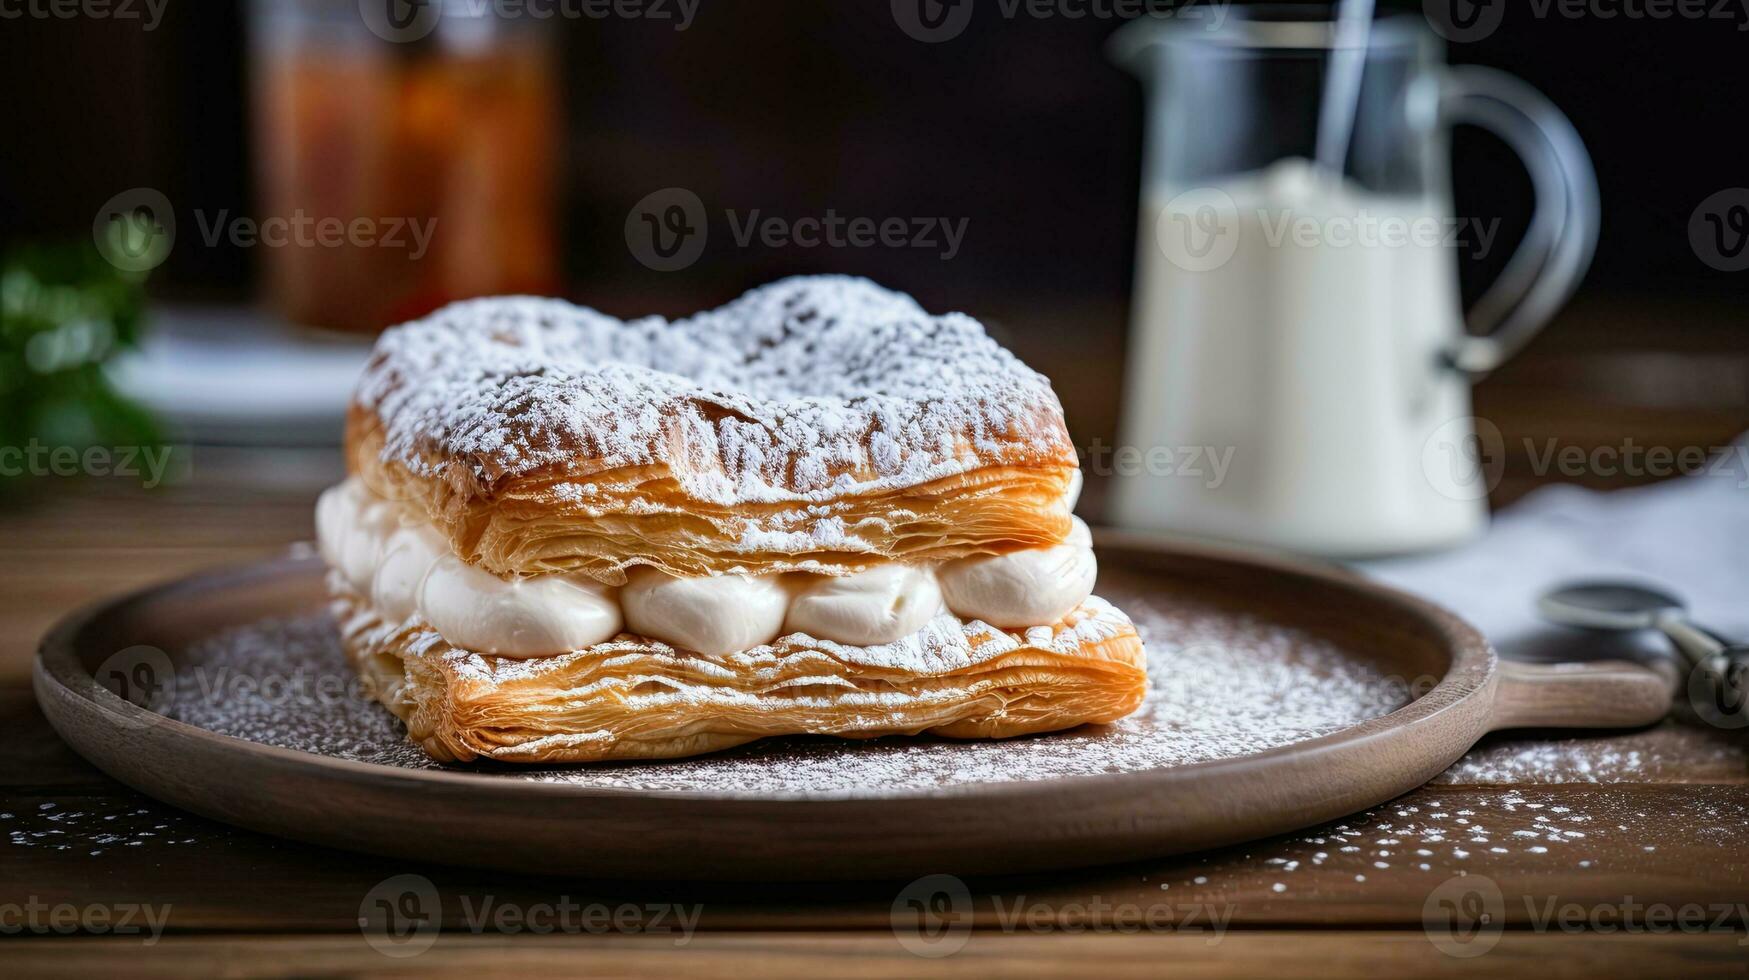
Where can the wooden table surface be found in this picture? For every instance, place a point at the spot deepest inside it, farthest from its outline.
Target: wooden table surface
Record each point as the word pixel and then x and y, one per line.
pixel 1615 853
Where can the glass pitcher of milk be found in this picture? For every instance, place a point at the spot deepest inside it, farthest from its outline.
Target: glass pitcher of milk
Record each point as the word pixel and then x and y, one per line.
pixel 1297 324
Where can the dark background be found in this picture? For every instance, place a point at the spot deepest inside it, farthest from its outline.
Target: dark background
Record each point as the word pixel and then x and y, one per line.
pixel 792 106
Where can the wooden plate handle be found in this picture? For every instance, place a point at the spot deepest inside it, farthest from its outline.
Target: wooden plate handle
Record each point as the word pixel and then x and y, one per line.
pixel 1596 694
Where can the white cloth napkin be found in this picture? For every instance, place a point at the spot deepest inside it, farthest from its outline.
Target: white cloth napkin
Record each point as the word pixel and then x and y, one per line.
pixel 1688 536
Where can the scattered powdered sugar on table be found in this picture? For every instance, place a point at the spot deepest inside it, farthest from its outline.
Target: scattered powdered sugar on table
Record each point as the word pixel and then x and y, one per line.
pixel 1574 760
pixel 1674 750
pixel 97 825
pixel 1221 685
pixel 1443 832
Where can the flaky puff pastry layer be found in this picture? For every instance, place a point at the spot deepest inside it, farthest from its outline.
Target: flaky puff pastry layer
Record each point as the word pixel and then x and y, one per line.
pixel 819 423
pixel 634 698
pixel 536 523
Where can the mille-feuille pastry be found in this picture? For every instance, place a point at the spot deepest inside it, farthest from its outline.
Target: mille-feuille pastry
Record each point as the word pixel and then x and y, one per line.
pixel 819 509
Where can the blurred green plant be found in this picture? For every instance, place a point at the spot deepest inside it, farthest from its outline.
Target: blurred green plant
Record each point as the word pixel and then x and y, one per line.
pixel 64 311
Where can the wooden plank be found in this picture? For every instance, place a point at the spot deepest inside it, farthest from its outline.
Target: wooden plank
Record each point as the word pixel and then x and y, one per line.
pixel 1673 845
pixel 72 542
pixel 35 756
pixel 1674 752
pixel 851 956
pixel 76 835
pixel 34 603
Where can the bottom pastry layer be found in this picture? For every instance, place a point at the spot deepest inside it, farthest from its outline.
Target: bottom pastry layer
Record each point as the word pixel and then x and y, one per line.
pixel 636 698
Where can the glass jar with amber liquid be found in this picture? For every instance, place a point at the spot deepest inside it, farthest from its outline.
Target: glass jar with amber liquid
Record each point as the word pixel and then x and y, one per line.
pixel 406 156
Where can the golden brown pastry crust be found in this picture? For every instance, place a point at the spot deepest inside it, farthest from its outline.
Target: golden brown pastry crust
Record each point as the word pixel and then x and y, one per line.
pixel 527 525
pixel 818 423
pixel 632 698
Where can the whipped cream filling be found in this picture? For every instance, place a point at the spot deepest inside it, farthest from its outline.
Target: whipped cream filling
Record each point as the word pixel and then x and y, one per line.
pixel 473 609
pixel 1023 588
pixel 407 570
pixel 715 616
pixel 878 605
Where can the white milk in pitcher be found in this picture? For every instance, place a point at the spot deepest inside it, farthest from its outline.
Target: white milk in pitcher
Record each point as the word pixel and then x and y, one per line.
pixel 1293 323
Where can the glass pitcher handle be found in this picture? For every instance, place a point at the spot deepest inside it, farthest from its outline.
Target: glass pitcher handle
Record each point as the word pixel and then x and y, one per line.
pixel 1557 247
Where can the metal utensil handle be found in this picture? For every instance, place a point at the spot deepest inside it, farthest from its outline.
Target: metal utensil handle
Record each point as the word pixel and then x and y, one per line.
pixel 1697 645
pixel 1718 682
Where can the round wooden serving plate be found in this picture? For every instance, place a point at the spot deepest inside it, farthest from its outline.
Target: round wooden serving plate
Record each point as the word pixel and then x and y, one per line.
pixel 497 818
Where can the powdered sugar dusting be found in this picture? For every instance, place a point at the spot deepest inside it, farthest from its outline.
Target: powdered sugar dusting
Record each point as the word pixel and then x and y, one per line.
pixel 1672 751
pixel 806 389
pixel 1442 832
pixel 1221 685
pixel 96 826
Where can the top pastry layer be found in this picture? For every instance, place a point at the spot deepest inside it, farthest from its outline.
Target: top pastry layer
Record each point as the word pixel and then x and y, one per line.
pixel 818 422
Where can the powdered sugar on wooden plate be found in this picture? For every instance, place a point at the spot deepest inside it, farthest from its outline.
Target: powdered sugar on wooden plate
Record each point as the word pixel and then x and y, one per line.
pixel 805 390
pixel 1221 685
